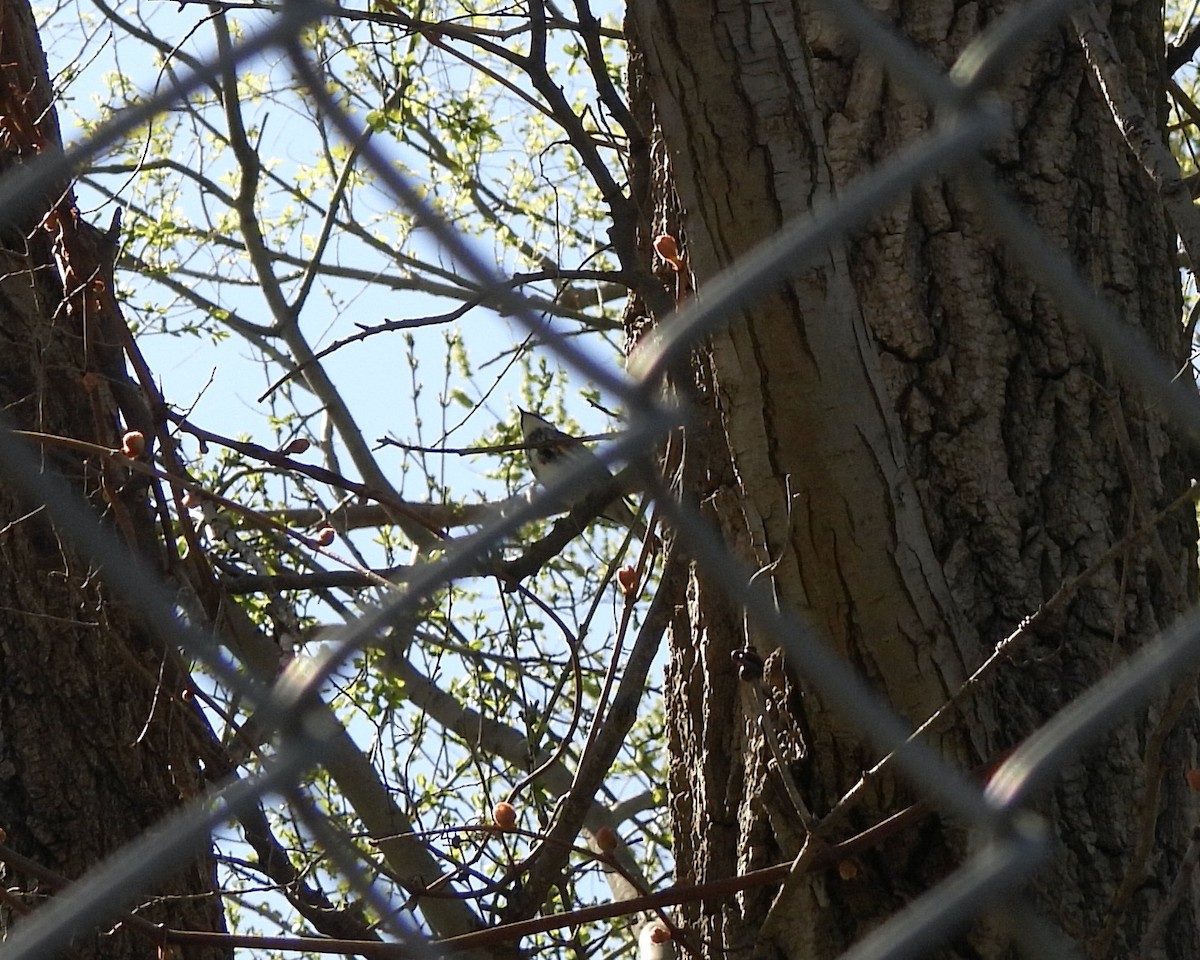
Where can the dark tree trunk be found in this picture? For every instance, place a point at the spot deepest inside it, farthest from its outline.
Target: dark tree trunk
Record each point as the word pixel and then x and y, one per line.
pixel 928 451
pixel 97 741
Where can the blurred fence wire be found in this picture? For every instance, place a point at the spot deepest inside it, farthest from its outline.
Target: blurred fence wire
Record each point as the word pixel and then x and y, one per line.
pixel 1014 846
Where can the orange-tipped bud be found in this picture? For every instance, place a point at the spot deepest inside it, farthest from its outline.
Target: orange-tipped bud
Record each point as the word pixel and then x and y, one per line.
pixel 652 940
pixel 324 536
pixel 628 579
pixel 504 815
pixel 133 444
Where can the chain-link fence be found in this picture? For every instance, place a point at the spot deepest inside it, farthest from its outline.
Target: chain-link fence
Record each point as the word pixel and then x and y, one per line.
pixel 1012 847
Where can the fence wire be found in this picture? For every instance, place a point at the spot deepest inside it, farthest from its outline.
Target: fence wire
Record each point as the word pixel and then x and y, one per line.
pixel 1014 845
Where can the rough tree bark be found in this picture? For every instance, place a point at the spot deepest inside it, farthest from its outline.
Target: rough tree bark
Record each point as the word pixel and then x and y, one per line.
pixel 97 742
pixel 927 450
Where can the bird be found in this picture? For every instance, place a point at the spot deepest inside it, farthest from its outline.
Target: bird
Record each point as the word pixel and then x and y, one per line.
pixel 551 452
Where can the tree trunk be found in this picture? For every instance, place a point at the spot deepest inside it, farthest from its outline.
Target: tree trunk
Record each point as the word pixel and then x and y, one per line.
pixel 97 741
pixel 928 451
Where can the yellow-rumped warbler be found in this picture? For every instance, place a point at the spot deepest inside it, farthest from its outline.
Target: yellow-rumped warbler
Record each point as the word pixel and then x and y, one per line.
pixel 550 451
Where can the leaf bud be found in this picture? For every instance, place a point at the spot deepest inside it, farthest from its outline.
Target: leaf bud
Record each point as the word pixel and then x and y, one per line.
pixel 133 444
pixel 607 839
pixel 667 247
pixel 504 815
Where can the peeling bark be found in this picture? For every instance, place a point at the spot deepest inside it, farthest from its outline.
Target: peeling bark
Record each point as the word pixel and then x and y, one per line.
pixel 97 742
pixel 928 451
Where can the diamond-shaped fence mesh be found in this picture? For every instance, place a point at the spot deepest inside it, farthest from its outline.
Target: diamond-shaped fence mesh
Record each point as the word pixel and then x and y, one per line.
pixel 292 710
